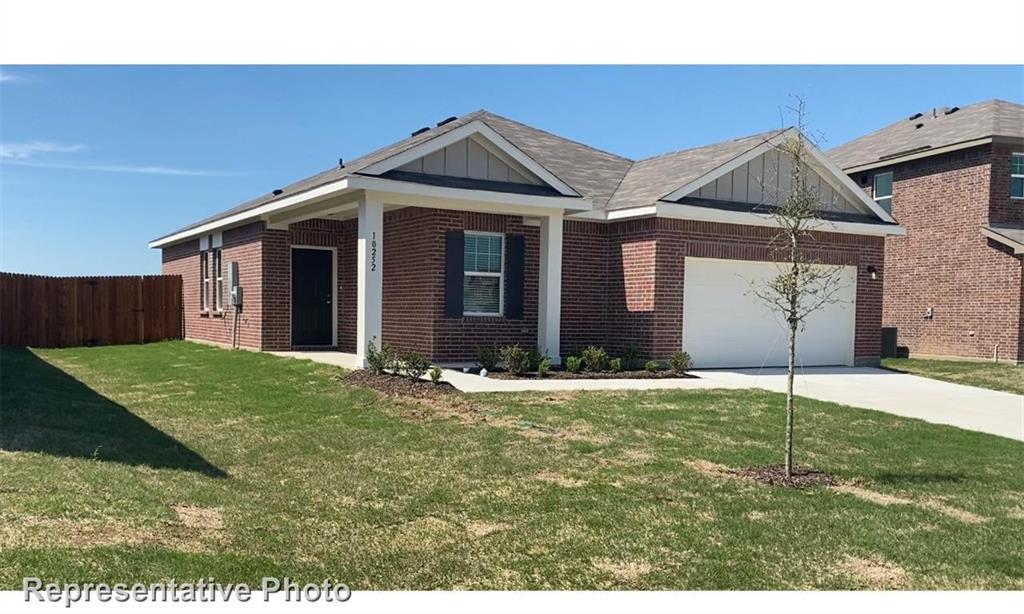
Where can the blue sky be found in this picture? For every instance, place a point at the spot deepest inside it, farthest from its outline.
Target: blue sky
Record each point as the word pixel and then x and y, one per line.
pixel 96 161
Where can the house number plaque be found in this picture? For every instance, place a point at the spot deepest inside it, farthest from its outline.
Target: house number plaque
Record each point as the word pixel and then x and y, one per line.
pixel 373 251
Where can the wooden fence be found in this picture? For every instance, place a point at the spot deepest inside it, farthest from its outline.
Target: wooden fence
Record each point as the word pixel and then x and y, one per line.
pixel 42 311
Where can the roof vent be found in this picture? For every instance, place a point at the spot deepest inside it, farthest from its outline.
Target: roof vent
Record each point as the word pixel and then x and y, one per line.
pixel 916 126
pixel 341 162
pixel 915 116
pixel 420 131
pixel 952 111
pixel 278 192
pixel 447 120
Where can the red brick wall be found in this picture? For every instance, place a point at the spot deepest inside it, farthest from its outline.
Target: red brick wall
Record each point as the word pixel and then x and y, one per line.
pixel 413 278
pixel 1003 210
pixel 944 262
pixel 243 245
pixel 643 273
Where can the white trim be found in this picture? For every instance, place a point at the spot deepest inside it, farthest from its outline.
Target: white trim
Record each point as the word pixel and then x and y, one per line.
pixel 370 246
pixel 707 214
pixel 726 167
pixel 549 287
pixel 1014 175
pixel 334 293
pixel 475 127
pixel 924 153
pixel 852 188
pixel 500 275
pixel 1018 247
pixel 513 203
pixel 255 213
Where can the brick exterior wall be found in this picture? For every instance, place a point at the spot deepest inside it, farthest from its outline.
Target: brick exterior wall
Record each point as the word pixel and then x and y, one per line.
pixel 944 262
pixel 643 270
pixel 622 283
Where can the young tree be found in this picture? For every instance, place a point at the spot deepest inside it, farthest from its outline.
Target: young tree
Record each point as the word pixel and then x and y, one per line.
pixel 804 284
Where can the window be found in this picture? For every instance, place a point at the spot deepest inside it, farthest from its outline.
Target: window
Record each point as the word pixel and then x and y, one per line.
pixel 484 274
pixel 204 276
pixel 218 279
pixel 883 190
pixel 1017 175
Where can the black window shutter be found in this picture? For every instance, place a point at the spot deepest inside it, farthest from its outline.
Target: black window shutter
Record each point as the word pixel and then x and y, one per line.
pixel 515 255
pixel 454 244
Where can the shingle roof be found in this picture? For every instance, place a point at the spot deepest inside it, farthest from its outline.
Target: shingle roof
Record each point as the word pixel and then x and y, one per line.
pixel 938 128
pixel 650 179
pixel 610 181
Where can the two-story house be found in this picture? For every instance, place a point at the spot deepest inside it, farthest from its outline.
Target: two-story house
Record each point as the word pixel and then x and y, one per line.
pixel 954 178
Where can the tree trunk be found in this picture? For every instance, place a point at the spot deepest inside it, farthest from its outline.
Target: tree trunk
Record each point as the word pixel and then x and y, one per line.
pixel 789 397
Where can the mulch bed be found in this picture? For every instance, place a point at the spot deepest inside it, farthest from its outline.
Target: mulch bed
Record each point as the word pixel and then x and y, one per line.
pixel 775 475
pixel 561 374
pixel 395 385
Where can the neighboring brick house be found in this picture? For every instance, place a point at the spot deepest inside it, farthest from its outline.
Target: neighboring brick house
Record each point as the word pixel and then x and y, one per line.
pixel 954 178
pixel 483 231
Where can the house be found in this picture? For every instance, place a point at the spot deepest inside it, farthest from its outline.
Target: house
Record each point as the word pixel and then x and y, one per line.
pixel 954 178
pixel 484 231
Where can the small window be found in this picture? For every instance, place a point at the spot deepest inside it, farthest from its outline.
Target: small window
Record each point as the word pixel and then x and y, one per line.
pixel 204 276
pixel 1017 175
pixel 218 279
pixel 484 274
pixel 883 190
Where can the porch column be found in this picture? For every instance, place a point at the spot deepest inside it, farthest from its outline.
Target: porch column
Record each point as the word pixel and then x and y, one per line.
pixel 370 261
pixel 549 290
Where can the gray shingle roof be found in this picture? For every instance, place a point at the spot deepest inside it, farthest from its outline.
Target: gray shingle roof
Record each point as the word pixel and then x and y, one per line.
pixel 938 128
pixel 610 181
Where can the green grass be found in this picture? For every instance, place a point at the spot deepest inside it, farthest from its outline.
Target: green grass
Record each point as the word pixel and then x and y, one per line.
pixel 992 375
pixel 285 471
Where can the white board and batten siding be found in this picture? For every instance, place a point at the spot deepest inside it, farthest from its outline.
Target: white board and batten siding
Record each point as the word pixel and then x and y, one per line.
pixel 766 179
pixel 726 326
pixel 470 158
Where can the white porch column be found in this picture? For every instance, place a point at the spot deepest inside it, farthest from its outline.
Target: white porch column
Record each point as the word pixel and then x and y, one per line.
pixel 370 263
pixel 549 291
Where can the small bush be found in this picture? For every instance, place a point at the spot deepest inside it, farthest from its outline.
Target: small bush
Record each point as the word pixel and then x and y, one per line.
pixel 435 374
pixel 630 357
pixel 573 364
pixel 516 359
pixel 680 361
pixel 594 358
pixel 615 365
pixel 383 360
pixel 543 367
pixel 536 357
pixel 651 366
pixel 487 358
pixel 414 365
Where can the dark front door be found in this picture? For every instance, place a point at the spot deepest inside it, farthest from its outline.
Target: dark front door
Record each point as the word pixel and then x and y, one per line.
pixel 312 308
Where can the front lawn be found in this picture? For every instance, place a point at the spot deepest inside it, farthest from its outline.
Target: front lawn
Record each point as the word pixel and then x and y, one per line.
pixel 140 463
pixel 992 375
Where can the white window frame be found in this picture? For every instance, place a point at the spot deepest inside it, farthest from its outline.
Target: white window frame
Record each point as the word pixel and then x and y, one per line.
pixel 218 279
pixel 500 275
pixel 1014 175
pixel 874 190
pixel 204 280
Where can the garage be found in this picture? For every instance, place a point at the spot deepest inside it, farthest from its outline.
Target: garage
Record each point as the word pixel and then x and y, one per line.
pixel 725 325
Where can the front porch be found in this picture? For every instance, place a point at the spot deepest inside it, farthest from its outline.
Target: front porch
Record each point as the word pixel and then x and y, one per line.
pixel 403 267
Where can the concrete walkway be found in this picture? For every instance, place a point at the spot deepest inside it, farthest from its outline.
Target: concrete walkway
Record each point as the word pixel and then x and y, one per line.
pixel 966 407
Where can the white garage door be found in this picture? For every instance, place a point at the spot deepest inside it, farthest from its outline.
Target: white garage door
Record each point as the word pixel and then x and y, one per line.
pixel 725 325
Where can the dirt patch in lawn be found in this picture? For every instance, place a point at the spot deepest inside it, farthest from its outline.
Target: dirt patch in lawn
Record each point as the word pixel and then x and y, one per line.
pixel 480 528
pixel 874 572
pixel 559 480
pixel 624 571
pixel 933 504
pixel 394 385
pixel 772 475
pixel 197 517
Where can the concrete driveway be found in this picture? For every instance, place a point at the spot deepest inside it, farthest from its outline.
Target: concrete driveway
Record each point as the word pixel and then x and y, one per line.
pixel 966 407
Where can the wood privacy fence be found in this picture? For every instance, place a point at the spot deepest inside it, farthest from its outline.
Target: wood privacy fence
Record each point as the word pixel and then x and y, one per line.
pixel 42 311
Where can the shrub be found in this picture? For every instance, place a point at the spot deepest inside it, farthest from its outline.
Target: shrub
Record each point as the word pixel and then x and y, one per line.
pixel 516 359
pixel 535 358
pixel 414 365
pixel 383 360
pixel 435 374
pixel 630 357
pixel 594 358
pixel 651 366
pixel 615 364
pixel 543 367
pixel 680 361
pixel 573 364
pixel 487 358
